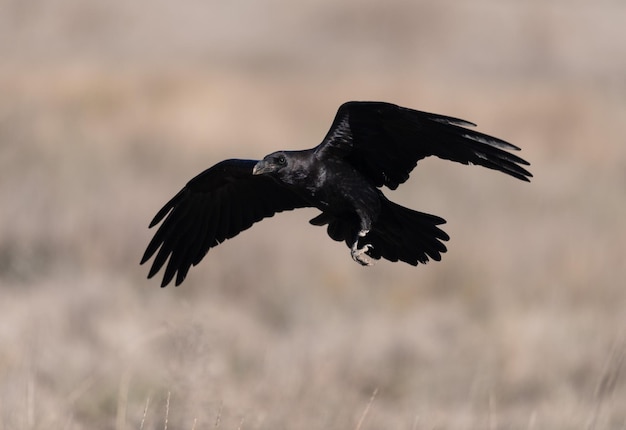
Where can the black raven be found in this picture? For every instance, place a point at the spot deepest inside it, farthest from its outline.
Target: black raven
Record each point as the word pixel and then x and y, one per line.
pixel 369 144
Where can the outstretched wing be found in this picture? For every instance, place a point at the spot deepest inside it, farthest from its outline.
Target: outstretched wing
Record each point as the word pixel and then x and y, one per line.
pixel 385 141
pixel 214 206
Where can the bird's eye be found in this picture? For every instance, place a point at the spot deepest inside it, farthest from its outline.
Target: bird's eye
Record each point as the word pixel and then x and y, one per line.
pixel 281 159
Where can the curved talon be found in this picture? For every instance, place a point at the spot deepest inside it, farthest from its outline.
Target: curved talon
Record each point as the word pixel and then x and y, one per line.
pixel 359 254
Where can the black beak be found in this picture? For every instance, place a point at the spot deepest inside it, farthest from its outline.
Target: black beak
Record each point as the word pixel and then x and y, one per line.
pixel 261 167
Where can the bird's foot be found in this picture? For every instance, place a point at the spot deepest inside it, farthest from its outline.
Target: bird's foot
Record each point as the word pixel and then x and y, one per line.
pixel 360 254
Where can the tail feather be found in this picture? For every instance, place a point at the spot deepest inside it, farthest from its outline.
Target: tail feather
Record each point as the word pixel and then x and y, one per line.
pixel 399 234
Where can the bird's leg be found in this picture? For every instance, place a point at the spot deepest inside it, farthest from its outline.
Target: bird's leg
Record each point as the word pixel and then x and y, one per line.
pixel 359 254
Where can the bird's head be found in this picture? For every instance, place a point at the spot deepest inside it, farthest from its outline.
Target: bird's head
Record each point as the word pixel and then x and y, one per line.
pixel 272 163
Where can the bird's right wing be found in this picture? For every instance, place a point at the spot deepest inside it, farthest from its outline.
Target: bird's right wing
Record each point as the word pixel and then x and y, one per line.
pixel 214 206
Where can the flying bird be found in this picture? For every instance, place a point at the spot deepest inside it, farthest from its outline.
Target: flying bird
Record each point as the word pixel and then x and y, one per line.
pixel 369 145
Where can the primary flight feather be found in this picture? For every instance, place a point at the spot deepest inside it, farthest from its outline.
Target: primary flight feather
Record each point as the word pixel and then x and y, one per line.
pixel 369 145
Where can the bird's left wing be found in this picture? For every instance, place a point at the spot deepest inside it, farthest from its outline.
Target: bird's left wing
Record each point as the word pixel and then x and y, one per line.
pixel 385 141
pixel 214 206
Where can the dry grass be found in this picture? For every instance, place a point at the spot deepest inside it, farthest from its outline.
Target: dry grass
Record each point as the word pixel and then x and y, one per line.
pixel 107 111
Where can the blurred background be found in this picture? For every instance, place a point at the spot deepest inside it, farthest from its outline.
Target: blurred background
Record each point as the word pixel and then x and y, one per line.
pixel 108 108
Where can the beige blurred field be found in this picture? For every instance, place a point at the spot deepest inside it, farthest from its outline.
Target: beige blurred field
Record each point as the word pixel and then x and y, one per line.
pixel 108 108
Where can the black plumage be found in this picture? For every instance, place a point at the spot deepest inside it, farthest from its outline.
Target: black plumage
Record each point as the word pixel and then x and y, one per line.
pixel 369 145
